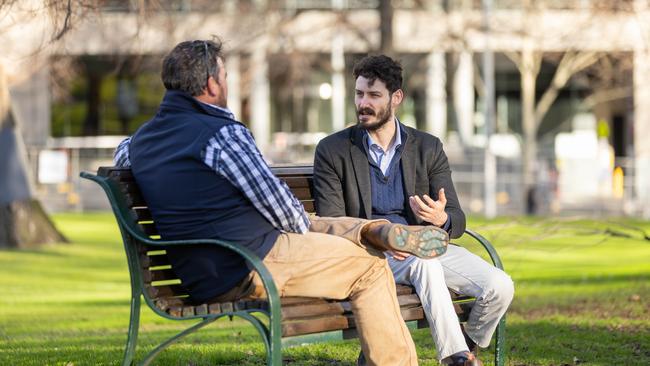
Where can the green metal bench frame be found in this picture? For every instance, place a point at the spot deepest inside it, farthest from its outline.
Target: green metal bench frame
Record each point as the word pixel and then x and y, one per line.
pixel 134 236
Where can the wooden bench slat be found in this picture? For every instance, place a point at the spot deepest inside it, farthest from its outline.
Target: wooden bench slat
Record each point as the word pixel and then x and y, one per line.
pixel 135 201
pixel 166 303
pixel 201 309
pixel 116 174
pixel 149 229
pixel 298 181
pixel 305 311
pixel 315 325
pixel 302 193
pixel 407 314
pixel 293 170
pixel 295 300
pixel 408 300
pixel 143 214
pixel 335 322
pixel 165 291
pixel 404 290
pixel 187 311
pixel 412 313
pixel 130 189
pixel 309 206
pixel 175 311
pixel 148 261
pixel 149 276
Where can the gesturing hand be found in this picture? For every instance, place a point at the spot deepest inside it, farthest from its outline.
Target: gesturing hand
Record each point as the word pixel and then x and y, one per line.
pixel 428 210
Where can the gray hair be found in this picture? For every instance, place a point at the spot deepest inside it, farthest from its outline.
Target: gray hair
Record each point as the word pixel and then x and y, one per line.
pixel 190 64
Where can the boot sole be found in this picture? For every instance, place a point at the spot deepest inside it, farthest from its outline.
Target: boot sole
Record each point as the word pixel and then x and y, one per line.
pixel 421 241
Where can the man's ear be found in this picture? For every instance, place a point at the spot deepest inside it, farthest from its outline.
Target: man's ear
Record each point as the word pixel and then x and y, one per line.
pixel 212 87
pixel 397 97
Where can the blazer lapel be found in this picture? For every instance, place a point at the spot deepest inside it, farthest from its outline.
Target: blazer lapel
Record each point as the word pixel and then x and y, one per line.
pixel 408 165
pixel 361 170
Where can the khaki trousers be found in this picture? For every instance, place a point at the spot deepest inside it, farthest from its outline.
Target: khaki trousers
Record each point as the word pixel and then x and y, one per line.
pixel 331 261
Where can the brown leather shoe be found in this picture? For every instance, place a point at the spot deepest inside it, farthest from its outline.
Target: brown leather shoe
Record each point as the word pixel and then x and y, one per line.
pixel 421 241
pixel 467 359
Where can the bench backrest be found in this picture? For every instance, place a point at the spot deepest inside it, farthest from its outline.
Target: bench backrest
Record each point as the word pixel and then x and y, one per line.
pixel 150 270
pixel 300 180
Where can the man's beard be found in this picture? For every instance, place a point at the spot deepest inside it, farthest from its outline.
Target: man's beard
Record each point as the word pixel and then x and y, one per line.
pixel 383 116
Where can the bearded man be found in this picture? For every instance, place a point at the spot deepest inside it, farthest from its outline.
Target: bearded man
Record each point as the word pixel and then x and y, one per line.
pixel 380 168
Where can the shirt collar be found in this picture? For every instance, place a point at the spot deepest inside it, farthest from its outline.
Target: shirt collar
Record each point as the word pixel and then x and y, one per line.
pixel 396 143
pixel 222 109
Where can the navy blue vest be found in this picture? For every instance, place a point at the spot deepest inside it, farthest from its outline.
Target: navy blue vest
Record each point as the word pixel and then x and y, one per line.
pixel 189 200
pixel 387 192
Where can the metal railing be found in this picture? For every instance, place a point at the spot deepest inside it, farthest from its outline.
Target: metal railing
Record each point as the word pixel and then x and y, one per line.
pixel 467 174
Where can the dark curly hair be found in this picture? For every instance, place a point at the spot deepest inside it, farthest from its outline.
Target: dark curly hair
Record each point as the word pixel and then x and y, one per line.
pixel 380 67
pixel 190 64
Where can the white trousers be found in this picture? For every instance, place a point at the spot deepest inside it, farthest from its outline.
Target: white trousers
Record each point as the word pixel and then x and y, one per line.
pixel 466 274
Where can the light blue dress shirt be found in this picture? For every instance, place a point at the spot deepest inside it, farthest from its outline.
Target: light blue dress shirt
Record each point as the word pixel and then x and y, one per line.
pixel 378 155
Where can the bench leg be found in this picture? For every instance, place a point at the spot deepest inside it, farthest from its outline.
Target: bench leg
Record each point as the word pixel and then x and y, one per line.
pixel 149 358
pixel 272 341
pixel 132 335
pixel 275 356
pixel 500 344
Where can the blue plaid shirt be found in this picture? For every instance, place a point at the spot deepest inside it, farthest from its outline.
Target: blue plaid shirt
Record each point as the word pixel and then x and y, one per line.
pixel 232 153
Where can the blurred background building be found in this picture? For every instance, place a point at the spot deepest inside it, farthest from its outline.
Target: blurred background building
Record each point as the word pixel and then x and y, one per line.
pixel 571 90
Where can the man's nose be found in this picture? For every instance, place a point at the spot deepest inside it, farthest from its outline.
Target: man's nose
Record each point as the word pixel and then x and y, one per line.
pixel 362 101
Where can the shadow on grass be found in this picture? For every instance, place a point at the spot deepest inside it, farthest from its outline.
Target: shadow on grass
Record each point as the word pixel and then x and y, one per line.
pixel 595 279
pixel 547 343
pixel 540 343
pixel 44 250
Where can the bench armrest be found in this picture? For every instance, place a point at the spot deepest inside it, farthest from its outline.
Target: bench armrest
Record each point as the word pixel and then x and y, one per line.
pixel 494 256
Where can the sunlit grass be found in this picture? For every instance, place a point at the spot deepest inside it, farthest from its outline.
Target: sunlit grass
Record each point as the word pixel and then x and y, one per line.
pixel 582 297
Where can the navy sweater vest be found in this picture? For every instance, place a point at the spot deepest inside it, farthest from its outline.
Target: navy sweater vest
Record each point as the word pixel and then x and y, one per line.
pixel 388 192
pixel 189 200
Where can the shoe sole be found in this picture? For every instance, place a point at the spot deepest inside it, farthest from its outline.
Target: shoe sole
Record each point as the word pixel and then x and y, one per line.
pixel 421 241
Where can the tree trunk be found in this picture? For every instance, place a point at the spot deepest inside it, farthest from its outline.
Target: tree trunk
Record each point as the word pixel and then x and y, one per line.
pixel 529 70
pixel 91 122
pixel 386 27
pixel 23 223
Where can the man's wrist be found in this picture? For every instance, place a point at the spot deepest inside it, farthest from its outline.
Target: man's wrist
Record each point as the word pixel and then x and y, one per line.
pixel 446 226
pixel 442 221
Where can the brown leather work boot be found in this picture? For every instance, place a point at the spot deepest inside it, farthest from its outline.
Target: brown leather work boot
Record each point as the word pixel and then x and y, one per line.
pixel 421 241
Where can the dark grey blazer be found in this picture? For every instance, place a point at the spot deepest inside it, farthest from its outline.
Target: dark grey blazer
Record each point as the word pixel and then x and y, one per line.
pixel 342 176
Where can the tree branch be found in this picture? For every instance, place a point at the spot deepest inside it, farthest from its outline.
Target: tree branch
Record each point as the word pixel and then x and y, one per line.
pixel 571 63
pixel 515 58
pixel 607 95
pixel 479 85
pixel 66 22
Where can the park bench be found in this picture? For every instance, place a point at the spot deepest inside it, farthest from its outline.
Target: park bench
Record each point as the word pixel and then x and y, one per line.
pixel 281 322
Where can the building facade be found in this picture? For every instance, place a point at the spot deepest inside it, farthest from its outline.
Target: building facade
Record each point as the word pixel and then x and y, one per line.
pixel 560 67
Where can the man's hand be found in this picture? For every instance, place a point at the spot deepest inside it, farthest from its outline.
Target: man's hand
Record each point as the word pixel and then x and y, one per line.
pixel 400 256
pixel 428 210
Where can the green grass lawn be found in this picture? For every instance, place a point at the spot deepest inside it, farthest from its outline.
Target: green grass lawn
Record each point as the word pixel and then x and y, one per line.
pixel 582 298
